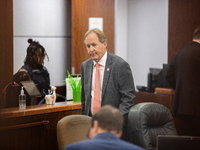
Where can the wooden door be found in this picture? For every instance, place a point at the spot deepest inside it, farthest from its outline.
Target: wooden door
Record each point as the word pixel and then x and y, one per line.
pixel 81 11
pixel 6 44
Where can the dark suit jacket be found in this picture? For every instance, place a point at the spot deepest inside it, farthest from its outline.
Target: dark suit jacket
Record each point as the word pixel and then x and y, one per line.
pixel 118 86
pixel 103 141
pixel 183 75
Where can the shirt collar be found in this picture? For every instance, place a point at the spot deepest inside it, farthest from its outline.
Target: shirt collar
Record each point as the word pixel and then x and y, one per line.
pixel 198 41
pixel 102 61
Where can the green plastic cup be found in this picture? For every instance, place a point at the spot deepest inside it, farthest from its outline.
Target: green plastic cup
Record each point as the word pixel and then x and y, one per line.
pixel 76 96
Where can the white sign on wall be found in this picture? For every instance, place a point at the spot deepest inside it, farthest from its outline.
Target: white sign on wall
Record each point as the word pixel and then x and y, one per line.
pixel 96 22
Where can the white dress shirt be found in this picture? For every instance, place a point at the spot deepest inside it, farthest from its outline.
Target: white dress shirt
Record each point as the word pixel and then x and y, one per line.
pixel 102 64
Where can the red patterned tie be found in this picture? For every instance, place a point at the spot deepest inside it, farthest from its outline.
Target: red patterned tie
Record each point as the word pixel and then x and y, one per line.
pixel 96 102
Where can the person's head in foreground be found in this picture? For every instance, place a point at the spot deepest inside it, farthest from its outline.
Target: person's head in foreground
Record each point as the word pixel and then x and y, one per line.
pixel 107 119
pixel 105 132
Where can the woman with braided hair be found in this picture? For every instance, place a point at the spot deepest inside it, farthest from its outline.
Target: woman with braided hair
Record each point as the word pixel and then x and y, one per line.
pixel 33 65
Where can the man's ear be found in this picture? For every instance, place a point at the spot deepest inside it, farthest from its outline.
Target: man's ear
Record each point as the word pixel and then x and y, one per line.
pixel 119 134
pixel 96 126
pixel 93 130
pixel 105 44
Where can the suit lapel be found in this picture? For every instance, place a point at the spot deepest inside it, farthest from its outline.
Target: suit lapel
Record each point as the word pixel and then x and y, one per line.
pixel 106 73
pixel 89 71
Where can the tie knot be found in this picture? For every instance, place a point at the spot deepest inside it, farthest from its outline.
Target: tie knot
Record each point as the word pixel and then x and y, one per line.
pixel 97 65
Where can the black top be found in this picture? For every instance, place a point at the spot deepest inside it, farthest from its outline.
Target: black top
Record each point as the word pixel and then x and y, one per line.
pixel 39 76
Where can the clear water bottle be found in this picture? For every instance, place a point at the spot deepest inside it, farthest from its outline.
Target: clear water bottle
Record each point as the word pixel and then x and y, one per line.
pixel 22 99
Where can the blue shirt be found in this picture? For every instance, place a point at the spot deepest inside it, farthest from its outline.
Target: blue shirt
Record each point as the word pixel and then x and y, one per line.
pixel 103 141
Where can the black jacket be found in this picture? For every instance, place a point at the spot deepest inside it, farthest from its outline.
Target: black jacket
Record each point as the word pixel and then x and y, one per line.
pixel 183 75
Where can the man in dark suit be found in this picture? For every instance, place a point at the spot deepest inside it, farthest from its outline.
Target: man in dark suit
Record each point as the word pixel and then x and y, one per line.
pixel 183 75
pixel 106 128
pixel 116 85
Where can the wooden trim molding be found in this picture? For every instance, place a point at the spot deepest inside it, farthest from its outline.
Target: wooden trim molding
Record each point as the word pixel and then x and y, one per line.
pixel 27 125
pixel 164 91
pixel 38 109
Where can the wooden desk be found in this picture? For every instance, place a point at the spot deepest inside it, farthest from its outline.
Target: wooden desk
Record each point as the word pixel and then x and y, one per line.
pixel 161 97
pixel 35 127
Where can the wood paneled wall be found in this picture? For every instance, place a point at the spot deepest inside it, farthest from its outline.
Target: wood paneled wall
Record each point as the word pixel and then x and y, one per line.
pixel 81 11
pixel 184 17
pixel 6 43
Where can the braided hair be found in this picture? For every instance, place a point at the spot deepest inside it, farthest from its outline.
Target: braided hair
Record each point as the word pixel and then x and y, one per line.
pixel 32 49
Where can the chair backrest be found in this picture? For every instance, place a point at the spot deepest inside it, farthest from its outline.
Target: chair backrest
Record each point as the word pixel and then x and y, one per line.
pixel 71 129
pixel 147 120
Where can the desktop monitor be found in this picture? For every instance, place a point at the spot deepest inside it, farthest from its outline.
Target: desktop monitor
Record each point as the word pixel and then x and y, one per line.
pixel 152 80
pixel 31 88
pixel 173 142
pixel 155 78
pixel 161 80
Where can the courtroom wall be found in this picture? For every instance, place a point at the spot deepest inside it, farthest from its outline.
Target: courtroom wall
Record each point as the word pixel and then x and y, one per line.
pixel 49 22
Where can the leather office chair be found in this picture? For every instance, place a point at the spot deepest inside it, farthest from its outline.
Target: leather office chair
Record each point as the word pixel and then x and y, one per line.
pixel 146 121
pixel 71 129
